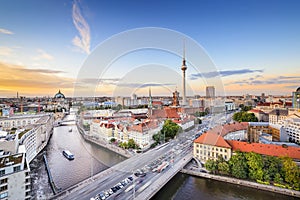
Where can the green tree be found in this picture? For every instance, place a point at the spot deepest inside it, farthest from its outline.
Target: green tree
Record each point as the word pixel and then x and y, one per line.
pixel 278 178
pixel 291 172
pixel 223 168
pixel 272 166
pixel 113 140
pixel 170 130
pixel 211 165
pixel 255 166
pixel 156 137
pixel 238 165
pixel 244 117
pixel 132 144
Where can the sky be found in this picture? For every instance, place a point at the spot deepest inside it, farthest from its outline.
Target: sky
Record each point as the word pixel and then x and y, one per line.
pixel 248 47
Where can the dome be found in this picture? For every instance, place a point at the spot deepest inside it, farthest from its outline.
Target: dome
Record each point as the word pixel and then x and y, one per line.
pixel 298 89
pixel 59 95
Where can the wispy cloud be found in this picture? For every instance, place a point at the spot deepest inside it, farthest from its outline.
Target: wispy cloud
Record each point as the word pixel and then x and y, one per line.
pixel 44 71
pixel 224 73
pixel 6 51
pixel 43 55
pixel 5 31
pixel 83 40
pixel 144 85
pixel 278 80
pixel 32 81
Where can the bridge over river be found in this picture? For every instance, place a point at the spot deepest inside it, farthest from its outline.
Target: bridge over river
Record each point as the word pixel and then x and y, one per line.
pixel 177 153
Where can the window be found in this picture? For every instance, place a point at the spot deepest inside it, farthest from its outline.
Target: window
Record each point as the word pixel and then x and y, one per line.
pixel 225 150
pixel 3 181
pixel 3 195
pixel 221 150
pixel 3 188
pixel 197 151
pixel 17 168
pixel 2 172
pixel 217 149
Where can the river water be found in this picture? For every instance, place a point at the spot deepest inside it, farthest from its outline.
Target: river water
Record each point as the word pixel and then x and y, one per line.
pixel 91 159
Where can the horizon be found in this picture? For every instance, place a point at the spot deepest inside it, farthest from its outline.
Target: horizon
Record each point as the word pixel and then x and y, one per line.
pixel 248 47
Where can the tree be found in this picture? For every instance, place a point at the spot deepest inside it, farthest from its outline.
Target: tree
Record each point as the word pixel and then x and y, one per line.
pixel 272 166
pixel 244 117
pixel 113 140
pixel 211 165
pixel 223 168
pixel 170 129
pixel 238 165
pixel 277 178
pixel 132 144
pixel 255 166
pixel 291 172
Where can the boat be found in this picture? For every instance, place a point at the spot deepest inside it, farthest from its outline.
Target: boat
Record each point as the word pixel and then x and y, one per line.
pixel 68 154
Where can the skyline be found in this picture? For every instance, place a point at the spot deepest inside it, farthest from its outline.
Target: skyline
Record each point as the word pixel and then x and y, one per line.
pixel 253 44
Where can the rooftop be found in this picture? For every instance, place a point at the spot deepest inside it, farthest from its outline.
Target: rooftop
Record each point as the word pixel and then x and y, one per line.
pixel 265 149
pixel 11 160
pixel 212 139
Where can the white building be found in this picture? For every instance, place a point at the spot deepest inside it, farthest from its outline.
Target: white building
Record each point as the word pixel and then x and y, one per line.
pixel 229 106
pixel 14 177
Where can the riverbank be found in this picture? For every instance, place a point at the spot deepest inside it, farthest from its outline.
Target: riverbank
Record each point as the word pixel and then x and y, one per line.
pixel 250 184
pixel 104 144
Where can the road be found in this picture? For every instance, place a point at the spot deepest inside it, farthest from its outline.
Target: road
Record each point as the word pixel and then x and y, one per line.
pixel 172 152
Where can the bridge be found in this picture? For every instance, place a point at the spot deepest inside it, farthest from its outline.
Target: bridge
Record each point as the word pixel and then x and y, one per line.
pixel 177 153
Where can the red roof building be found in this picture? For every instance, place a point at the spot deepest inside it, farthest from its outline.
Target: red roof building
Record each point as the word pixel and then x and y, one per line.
pixel 265 149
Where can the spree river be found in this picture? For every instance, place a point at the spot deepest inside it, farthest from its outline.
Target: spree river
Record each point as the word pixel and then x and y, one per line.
pixel 91 159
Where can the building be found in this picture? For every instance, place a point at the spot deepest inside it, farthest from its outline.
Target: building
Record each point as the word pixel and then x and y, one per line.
pixel 277 115
pixel 210 92
pixel 210 146
pixel 229 106
pixel 296 99
pixel 175 102
pixel 260 115
pixel 33 136
pixel 292 127
pixel 266 149
pixel 14 177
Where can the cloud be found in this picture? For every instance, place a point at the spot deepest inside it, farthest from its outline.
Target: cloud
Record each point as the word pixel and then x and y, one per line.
pixel 42 55
pixel 281 80
pixel 45 71
pixel 144 85
pixel 224 73
pixel 6 51
pixel 5 31
pixel 82 42
pixel 32 81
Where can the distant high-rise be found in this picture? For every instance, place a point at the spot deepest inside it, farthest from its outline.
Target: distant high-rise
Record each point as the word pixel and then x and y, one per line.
pixel 183 68
pixel 210 92
pixel 296 98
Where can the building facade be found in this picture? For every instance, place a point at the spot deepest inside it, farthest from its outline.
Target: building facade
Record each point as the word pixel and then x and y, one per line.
pixel 210 92
pixel 14 177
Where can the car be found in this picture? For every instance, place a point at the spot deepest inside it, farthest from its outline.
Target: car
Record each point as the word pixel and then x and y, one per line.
pixel 114 189
pixel 110 191
pixel 130 178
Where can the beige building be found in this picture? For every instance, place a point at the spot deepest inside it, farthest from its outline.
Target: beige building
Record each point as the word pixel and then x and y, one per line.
pixel 14 177
pixel 211 146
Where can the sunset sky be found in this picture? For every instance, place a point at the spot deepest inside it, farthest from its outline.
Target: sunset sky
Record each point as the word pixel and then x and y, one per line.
pixel 45 45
